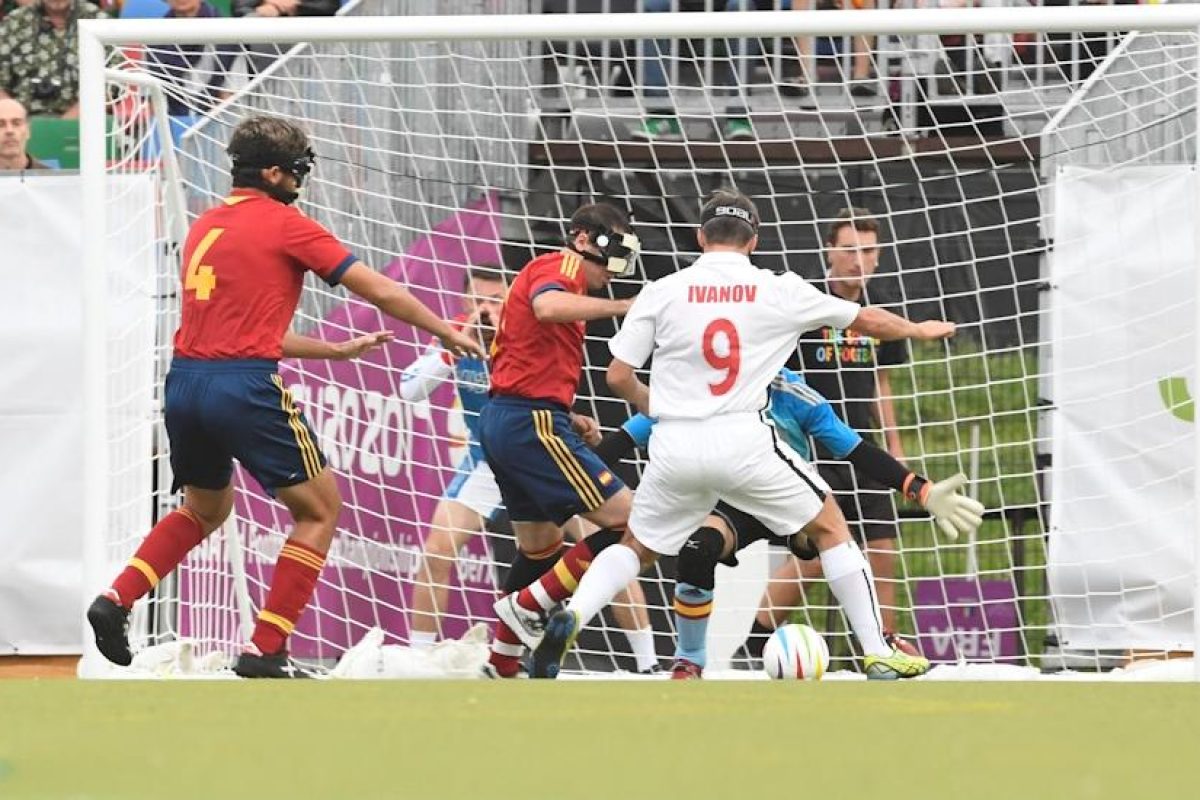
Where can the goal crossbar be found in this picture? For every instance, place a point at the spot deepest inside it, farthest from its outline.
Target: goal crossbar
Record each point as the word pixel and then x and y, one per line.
pixel 709 24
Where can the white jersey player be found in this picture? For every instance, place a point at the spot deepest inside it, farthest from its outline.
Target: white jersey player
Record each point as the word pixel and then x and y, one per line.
pixel 718 332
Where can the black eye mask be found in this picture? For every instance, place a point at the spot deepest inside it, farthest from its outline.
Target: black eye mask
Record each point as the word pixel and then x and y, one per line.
pixel 298 167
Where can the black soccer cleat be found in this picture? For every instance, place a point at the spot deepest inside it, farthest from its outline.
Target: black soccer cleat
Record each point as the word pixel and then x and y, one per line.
pixel 110 624
pixel 278 665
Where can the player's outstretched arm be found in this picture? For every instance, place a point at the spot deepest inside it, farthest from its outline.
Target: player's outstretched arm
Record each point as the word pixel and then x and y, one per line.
pixel 628 386
pixel 885 325
pixel 394 300
pixel 297 346
pixel 954 512
pixel 556 306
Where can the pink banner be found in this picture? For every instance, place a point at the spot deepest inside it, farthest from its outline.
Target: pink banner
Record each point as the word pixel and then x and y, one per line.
pixel 392 460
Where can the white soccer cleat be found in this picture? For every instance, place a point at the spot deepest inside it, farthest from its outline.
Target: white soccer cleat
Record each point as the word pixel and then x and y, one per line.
pixel 527 625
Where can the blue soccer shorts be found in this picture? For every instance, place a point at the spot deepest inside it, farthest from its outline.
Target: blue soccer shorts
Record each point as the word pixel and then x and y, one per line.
pixel 544 470
pixel 217 411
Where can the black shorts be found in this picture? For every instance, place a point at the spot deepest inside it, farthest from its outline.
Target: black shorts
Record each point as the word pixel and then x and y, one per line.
pixel 746 531
pixel 869 506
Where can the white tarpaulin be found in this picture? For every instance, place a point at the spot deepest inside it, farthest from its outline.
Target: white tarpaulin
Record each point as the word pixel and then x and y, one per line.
pixel 1123 319
pixel 41 415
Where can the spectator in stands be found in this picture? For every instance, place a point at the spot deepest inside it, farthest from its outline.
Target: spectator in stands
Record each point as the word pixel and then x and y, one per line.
pixel 14 136
pixel 665 125
pixel 261 56
pixel 860 80
pixel 285 8
pixel 196 72
pixel 39 59
pixel 862 83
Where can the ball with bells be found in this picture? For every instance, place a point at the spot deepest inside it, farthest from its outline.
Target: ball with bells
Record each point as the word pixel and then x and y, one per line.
pixel 795 652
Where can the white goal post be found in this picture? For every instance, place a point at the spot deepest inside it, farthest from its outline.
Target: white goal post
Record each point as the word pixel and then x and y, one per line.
pixel 1115 142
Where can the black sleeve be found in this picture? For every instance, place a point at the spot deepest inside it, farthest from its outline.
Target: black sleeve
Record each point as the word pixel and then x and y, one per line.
pixel 883 467
pixel 615 446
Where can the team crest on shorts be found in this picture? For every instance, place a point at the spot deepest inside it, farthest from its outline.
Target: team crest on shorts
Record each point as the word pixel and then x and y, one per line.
pixel 605 478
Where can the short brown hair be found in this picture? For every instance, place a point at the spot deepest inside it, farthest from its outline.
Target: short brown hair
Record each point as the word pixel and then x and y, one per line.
pixel 722 226
pixel 595 216
pixel 261 142
pixel 861 219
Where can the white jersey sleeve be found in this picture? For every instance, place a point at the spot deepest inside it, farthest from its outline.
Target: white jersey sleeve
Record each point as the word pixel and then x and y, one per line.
pixel 804 301
pixel 420 378
pixel 634 342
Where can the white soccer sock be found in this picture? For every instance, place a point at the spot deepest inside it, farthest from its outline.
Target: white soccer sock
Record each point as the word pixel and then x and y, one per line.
pixel 421 640
pixel 641 642
pixel 611 572
pixel 849 577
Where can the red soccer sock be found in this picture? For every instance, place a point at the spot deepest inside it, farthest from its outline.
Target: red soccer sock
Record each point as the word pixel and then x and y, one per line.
pixel 169 541
pixel 292 585
pixel 559 582
pixel 505 657
pixel 506 645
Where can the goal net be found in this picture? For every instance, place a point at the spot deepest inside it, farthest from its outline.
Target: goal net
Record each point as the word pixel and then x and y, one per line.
pixel 1036 185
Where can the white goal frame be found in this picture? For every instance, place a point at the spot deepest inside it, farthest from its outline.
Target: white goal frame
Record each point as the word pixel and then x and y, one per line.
pixel 95 35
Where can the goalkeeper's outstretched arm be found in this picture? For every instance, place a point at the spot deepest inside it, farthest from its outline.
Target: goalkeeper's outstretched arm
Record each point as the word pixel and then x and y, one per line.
pixel 954 513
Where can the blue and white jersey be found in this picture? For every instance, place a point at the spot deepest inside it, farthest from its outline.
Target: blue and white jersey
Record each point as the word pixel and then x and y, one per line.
pixel 797 410
pixel 471 381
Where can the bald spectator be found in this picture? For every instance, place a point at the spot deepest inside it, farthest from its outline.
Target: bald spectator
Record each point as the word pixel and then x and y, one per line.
pixel 39 58
pixel 14 135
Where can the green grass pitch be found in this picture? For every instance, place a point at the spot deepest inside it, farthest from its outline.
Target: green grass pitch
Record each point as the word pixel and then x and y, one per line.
pixel 592 739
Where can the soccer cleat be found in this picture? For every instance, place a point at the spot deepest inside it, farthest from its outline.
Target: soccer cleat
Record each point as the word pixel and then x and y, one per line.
pixel 252 664
pixel 894 666
pixel 560 634
pixel 110 624
pixel 527 625
pixel 684 670
pixel 742 659
pixel 738 129
pixel 654 669
pixel 489 672
pixel 659 129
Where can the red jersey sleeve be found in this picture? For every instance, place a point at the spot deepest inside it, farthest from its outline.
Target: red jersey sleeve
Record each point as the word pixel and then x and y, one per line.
pixel 563 275
pixel 315 248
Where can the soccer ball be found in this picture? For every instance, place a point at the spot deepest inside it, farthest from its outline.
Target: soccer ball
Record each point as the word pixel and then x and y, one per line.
pixel 795 652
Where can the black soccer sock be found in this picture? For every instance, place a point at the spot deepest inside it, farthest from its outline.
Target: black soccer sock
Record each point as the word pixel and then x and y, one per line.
pixel 757 639
pixel 528 567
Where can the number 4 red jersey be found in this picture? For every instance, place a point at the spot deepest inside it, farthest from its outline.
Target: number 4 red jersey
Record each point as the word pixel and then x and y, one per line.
pixel 539 360
pixel 243 271
pixel 719 331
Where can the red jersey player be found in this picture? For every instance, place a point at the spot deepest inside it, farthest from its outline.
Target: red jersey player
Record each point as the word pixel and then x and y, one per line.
pixel 243 270
pixel 533 442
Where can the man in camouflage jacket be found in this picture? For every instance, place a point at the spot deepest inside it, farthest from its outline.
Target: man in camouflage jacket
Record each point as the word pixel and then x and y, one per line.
pixel 39 60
